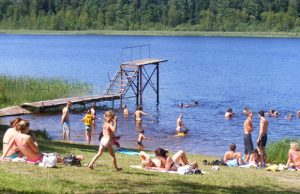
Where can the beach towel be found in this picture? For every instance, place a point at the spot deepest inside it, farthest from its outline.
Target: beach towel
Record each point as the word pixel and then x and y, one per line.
pixel 163 171
pixel 131 152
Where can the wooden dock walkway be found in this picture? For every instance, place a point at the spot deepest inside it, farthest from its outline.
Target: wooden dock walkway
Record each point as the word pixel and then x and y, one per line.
pixel 13 111
pixel 82 100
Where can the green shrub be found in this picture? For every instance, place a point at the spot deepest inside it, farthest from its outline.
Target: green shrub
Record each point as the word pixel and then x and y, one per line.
pixel 277 151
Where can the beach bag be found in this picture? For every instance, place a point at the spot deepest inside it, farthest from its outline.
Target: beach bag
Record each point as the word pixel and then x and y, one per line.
pixel 49 160
pixel 71 160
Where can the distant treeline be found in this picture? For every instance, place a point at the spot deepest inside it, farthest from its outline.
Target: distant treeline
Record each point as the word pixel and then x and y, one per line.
pixel 181 15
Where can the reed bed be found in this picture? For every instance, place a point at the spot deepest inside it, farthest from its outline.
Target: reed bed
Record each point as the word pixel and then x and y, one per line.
pixel 277 151
pixel 17 90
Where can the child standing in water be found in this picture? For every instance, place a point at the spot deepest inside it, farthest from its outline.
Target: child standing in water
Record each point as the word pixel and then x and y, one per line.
pixel 88 121
pixel 126 112
pixel 109 128
pixel 141 137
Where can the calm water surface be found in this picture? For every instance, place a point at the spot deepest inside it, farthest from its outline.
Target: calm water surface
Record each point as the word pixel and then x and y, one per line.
pixel 260 73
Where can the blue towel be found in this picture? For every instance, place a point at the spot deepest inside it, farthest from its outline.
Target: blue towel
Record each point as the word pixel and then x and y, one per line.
pixel 232 163
pixel 130 152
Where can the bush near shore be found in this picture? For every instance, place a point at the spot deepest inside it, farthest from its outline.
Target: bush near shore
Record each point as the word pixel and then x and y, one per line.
pixel 277 151
pixel 17 90
pixel 26 178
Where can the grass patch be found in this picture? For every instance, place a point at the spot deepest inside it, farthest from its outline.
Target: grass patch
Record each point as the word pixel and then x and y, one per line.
pixel 158 33
pixel 37 89
pixel 26 178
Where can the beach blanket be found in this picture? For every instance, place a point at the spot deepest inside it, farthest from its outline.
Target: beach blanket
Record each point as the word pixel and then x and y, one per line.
pixel 163 171
pixel 131 152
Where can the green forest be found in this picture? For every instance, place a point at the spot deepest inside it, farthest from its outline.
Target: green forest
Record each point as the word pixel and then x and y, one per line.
pixel 173 15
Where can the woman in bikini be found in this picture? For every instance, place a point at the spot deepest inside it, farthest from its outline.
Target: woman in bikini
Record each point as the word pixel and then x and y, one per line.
pixel 25 144
pixel 8 136
pixel 294 156
pixel 109 128
pixel 173 163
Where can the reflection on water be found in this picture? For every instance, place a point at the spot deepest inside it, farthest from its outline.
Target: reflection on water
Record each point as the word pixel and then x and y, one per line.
pixel 260 73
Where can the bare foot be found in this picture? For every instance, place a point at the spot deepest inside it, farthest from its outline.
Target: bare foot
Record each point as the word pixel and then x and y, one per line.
pixel 90 167
pixel 119 169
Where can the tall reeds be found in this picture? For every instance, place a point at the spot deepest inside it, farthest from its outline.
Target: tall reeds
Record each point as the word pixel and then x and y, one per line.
pixel 277 151
pixel 17 90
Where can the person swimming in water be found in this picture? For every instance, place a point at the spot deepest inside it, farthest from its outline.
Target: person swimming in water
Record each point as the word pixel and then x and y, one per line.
pixel 181 105
pixel 229 113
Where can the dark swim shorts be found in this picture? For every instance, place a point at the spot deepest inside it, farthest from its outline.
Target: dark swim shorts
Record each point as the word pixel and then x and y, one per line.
pixel 263 141
pixel 248 144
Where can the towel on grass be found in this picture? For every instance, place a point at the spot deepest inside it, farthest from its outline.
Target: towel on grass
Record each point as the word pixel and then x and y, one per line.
pixel 130 152
pixel 163 171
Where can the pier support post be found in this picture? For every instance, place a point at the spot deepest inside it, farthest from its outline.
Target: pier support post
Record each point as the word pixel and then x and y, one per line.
pixel 157 83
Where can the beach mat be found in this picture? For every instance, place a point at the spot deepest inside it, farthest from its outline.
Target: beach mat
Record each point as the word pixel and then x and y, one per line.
pixel 163 171
pixel 131 152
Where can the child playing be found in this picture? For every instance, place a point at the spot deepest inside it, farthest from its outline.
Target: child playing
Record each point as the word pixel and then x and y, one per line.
pixel 109 128
pixel 88 121
pixel 126 112
pixel 140 140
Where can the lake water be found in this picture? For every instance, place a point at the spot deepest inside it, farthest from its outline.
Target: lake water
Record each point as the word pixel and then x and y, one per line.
pixel 218 72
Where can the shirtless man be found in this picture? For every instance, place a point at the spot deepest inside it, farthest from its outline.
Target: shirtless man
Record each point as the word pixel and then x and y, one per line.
pixel 232 156
pixel 93 113
pixel 262 137
pixel 138 118
pixel 248 129
pixel 139 113
pixel 180 125
pixel 65 121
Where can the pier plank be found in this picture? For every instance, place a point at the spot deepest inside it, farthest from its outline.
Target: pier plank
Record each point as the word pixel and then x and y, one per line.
pixel 13 111
pixel 74 100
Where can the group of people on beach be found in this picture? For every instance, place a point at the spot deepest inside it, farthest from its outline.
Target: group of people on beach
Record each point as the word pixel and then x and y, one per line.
pixel 257 156
pixel 19 141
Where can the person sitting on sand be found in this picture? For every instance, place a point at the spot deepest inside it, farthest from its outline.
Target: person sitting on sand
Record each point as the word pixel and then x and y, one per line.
pixel 141 137
pixel 109 129
pixel 8 136
pixel 233 158
pixel 175 162
pixel 180 126
pixel 229 113
pixel 26 145
pixel 294 156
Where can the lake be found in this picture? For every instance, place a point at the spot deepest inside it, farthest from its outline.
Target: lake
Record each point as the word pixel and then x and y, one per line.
pixel 218 72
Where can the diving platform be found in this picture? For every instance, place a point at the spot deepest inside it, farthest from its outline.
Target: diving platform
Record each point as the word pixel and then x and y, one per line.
pixel 82 100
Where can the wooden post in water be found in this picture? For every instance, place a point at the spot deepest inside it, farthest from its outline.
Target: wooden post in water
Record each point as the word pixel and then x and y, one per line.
pixel 141 85
pixel 157 83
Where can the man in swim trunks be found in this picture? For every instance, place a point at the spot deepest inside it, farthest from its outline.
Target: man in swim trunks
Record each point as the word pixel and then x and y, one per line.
pixel 248 129
pixel 262 137
pixel 65 121
pixel 138 118
pixel 232 157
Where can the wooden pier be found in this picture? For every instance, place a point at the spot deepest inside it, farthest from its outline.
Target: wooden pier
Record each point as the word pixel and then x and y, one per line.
pixel 42 105
pixel 13 110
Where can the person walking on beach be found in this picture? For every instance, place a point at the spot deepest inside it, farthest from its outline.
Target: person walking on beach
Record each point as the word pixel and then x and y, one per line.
pixel 109 129
pixel 180 125
pixel 248 129
pixel 88 122
pixel 262 137
pixel 65 121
